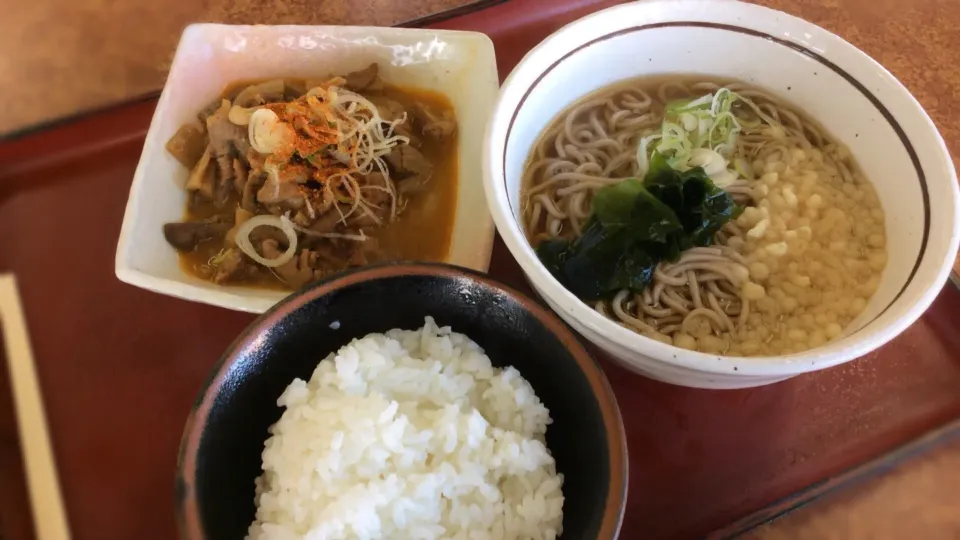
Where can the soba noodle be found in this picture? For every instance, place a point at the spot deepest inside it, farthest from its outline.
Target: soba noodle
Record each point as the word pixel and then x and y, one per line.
pixel 757 289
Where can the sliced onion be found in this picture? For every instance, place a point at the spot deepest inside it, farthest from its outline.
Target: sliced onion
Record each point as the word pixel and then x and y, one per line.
pixel 241 116
pixel 280 222
pixel 266 132
pixel 340 156
pixel 711 161
pixel 723 178
pixel 355 237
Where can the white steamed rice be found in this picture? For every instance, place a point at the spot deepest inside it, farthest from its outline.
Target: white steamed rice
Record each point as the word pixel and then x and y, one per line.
pixel 409 435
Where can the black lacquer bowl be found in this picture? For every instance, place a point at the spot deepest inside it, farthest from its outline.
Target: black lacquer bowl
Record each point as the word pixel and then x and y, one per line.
pixel 225 433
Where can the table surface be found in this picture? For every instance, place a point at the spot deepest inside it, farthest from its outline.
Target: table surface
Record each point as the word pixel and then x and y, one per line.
pixel 62 57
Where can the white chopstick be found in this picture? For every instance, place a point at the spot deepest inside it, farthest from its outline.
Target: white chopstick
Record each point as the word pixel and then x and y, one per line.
pixel 49 518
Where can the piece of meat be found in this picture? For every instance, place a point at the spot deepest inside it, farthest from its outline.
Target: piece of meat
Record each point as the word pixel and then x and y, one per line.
pixel 302 218
pixel 240 173
pixel 188 144
pixel 327 257
pixel 260 234
pixel 375 189
pixel 194 201
pixel 297 173
pixel 435 125
pixel 406 161
pixel 358 258
pixel 440 130
pixel 367 252
pixel 208 110
pixel 233 265
pixel 412 185
pixel 208 184
pixel 255 160
pixel 326 200
pixel 365 79
pixel 296 272
pixel 374 252
pixel 203 177
pixel 315 236
pixel 226 138
pixel 221 195
pixel 337 255
pixel 258 94
pixel 284 194
pixel 316 201
pixel 186 236
pixel 294 88
pixel 361 219
pixel 352 252
pixel 248 200
pixel 391 110
pixel 239 217
pixel 275 209
pixel 328 221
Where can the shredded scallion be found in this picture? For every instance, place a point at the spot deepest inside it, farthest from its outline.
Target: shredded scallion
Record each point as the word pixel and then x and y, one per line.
pixel 689 125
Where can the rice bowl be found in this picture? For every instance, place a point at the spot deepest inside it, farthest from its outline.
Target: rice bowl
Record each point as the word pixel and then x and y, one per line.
pixel 222 451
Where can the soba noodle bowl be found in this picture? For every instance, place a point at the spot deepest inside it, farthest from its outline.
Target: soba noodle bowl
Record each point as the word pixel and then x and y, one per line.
pixel 796 264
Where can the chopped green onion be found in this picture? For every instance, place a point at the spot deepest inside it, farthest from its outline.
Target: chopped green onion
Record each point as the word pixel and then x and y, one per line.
pixel 704 123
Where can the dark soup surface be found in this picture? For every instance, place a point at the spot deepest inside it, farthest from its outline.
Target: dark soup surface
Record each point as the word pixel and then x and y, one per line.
pixel 293 179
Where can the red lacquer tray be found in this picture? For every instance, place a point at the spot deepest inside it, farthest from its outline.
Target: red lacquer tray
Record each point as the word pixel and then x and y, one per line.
pixel 119 366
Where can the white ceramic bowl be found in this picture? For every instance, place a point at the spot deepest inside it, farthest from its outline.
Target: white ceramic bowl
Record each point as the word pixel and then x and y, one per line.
pixel 211 56
pixel 855 98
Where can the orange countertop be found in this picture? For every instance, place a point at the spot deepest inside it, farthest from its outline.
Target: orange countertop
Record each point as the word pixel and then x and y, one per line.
pixel 61 57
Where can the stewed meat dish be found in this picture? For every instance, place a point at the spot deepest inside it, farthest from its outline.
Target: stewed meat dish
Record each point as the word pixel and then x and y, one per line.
pixel 293 179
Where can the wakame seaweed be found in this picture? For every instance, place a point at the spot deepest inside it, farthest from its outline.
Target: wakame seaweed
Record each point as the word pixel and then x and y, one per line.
pixel 634 226
pixel 702 208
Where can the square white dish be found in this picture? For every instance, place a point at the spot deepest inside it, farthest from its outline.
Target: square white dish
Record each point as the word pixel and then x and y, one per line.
pixel 460 65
